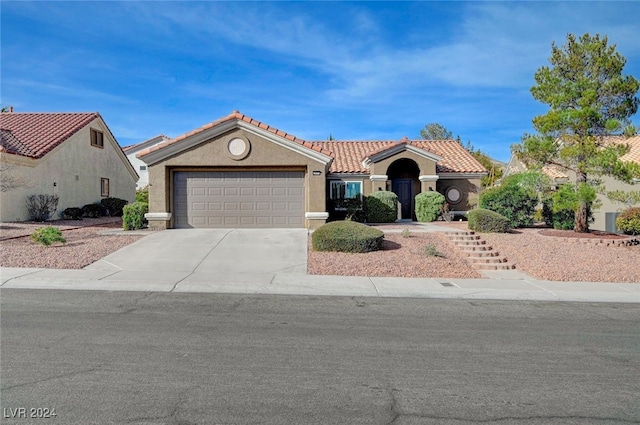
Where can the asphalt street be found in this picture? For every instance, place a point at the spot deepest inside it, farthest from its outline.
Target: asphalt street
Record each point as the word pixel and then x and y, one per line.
pixel 99 357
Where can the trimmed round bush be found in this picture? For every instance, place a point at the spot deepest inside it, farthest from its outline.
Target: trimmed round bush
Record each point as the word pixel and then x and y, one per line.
pixel 72 214
pixel 429 206
pixel 133 215
pixel 346 236
pixel 515 202
pixel 113 206
pixel 92 211
pixel 629 221
pixel 382 207
pixel 489 221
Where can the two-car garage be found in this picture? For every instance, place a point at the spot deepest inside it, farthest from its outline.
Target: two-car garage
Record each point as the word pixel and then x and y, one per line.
pixel 239 199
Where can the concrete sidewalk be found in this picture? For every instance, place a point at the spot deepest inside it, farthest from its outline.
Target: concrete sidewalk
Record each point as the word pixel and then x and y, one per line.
pixel 499 285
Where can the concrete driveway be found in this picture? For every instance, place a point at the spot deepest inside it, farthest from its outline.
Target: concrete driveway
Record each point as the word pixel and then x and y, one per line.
pixel 210 255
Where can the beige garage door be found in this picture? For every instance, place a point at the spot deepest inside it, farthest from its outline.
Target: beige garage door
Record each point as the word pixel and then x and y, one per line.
pixel 238 199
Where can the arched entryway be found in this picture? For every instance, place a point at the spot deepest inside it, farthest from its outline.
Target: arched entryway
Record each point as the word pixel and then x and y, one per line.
pixel 403 175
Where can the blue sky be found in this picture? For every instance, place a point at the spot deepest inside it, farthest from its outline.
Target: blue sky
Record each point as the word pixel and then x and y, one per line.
pixel 355 70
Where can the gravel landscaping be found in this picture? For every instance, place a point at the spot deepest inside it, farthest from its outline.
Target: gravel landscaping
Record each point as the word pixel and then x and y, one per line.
pixel 542 253
pixel 84 246
pixel 400 257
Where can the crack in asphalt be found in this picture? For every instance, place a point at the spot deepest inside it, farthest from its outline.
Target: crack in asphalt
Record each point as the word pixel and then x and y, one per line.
pixel 135 302
pixel 170 416
pixel 52 378
pixel 395 412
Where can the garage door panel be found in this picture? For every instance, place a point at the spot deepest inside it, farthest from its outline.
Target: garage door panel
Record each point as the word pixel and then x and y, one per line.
pixel 239 199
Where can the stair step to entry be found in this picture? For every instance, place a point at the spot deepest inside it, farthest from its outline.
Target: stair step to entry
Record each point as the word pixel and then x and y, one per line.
pixel 477 252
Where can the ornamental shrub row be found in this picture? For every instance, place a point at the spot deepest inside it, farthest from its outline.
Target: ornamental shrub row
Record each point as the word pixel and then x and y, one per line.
pixel 484 220
pixel 629 221
pixel 346 236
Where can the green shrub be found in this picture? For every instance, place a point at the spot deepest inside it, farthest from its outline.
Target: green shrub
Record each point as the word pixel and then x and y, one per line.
pixel 346 236
pixel 40 207
pixel 113 206
pixel 72 213
pixel 429 206
pixel 629 221
pixel 382 207
pixel 142 195
pixel 93 211
pixel 559 209
pixel 432 251
pixel 512 201
pixel 484 220
pixel 47 235
pixel 133 215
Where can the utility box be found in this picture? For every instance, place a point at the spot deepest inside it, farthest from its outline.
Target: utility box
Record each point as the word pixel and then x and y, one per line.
pixel 610 222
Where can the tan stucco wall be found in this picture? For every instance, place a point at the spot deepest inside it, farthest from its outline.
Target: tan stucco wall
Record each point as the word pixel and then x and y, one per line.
pixel 76 167
pixel 609 206
pixel 213 154
pixel 469 188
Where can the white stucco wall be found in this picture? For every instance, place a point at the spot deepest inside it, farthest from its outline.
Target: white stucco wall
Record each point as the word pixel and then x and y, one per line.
pixel 76 169
pixel 143 181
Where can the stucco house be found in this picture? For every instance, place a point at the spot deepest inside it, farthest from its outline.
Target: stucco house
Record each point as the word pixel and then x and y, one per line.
pixel 140 167
pixel 240 172
pixel 605 216
pixel 72 155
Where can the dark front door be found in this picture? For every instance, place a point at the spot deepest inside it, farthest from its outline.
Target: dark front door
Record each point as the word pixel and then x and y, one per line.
pixel 404 189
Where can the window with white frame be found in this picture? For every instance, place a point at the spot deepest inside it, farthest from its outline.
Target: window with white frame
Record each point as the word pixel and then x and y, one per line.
pixel 345 193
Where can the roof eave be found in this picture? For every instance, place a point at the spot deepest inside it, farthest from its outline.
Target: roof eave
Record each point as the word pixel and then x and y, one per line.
pixel 471 175
pixel 394 150
pixel 155 156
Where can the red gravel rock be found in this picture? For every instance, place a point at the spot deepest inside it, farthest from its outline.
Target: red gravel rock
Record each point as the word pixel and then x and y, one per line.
pixel 400 257
pixel 84 245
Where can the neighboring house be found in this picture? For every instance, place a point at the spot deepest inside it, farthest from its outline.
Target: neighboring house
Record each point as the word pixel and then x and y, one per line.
pixel 138 165
pixel 604 217
pixel 240 172
pixel 72 155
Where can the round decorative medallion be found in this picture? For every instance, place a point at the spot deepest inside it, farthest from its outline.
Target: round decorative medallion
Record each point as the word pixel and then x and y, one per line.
pixel 453 195
pixel 237 146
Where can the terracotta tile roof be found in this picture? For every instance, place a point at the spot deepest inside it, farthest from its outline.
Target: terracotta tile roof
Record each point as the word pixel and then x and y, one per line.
pixel 634 151
pixel 554 172
pixel 36 134
pixel 235 115
pixel 348 155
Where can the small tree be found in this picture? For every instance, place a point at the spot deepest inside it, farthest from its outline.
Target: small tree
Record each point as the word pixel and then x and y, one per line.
pixel 435 131
pixel 589 99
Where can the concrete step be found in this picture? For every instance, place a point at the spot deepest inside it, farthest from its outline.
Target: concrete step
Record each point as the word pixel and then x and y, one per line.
pixel 465 238
pixel 479 254
pixel 459 233
pixel 472 248
pixel 506 266
pixel 487 260
pixel 470 243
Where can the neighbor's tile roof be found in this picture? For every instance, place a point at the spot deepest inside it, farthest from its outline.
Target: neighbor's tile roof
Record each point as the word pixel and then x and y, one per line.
pixel 348 155
pixel 34 134
pixel 235 115
pixel 634 151
pixel 152 141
